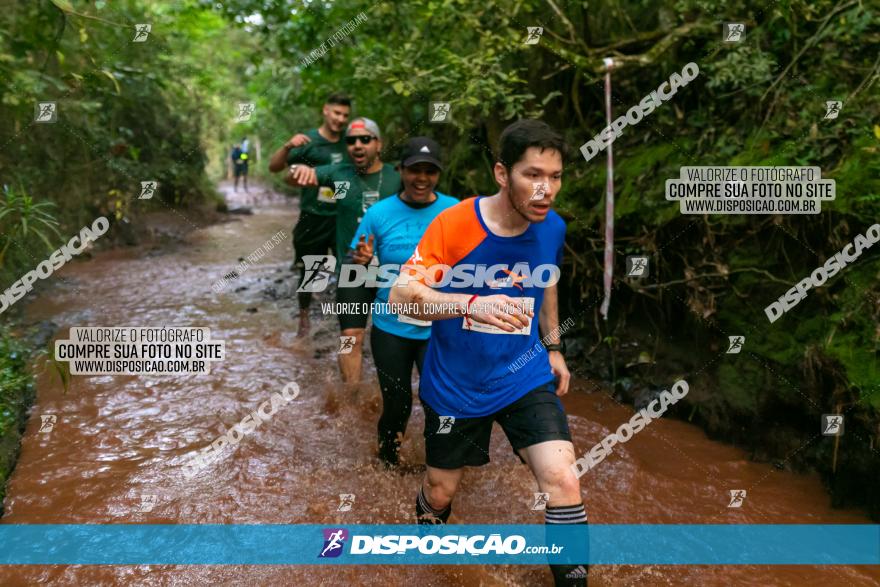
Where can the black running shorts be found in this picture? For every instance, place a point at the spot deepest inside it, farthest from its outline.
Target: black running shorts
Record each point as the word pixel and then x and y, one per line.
pixel 314 235
pixel 536 417
pixel 358 299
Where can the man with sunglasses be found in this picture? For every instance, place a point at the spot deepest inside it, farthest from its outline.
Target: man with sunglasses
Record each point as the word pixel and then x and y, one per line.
pixel 357 185
pixel 314 231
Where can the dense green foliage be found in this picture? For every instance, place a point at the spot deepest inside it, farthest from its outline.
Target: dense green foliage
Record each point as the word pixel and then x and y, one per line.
pixel 16 389
pixel 126 112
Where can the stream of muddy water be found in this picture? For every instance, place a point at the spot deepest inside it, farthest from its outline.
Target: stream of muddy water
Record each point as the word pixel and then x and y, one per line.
pixel 119 442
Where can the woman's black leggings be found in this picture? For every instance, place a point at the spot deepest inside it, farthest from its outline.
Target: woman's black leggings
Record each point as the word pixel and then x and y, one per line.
pixel 394 357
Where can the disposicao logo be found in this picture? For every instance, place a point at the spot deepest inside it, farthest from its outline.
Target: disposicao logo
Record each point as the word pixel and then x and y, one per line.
pixel 334 542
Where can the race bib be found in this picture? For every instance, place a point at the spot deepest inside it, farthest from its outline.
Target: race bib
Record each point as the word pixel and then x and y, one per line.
pixel 413 321
pixel 490 329
pixel 325 195
pixel 369 199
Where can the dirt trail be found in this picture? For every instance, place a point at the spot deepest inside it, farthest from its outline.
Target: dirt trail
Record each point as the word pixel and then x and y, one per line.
pixel 118 438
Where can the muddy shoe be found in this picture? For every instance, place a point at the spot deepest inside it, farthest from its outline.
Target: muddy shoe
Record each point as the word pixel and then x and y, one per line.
pixel 389 463
pixel 569 575
pixel 389 455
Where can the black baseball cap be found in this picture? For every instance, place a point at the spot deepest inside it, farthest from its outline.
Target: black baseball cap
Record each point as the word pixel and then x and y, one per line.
pixel 421 150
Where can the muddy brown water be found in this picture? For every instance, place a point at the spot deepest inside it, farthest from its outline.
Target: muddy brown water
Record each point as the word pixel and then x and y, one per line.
pixel 118 438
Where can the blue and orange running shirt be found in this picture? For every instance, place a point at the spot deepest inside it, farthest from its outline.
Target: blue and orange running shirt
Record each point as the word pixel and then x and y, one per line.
pixel 469 372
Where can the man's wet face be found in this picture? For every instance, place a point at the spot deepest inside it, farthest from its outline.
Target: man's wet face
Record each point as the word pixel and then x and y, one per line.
pixel 534 181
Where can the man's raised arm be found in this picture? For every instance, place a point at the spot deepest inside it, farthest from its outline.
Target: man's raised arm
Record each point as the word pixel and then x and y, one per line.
pixel 278 160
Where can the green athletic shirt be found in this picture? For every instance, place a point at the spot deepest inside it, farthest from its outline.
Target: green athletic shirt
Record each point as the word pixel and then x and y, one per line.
pixel 318 152
pixel 359 194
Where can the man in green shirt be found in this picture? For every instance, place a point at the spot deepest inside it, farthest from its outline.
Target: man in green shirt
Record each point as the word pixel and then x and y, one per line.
pixel 357 185
pixel 315 230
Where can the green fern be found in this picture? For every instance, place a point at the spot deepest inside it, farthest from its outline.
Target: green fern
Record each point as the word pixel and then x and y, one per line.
pixel 22 220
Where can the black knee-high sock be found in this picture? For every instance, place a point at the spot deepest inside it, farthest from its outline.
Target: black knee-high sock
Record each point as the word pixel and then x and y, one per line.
pixel 426 514
pixel 567 575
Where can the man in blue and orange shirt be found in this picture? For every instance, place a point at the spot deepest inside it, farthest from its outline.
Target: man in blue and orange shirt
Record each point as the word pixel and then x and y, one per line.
pixel 485 321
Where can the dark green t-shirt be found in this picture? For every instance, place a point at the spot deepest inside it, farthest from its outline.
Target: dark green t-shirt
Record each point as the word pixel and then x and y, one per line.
pixel 318 152
pixel 354 194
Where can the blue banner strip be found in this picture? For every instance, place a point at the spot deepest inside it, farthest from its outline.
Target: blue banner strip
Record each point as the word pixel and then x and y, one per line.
pixel 310 544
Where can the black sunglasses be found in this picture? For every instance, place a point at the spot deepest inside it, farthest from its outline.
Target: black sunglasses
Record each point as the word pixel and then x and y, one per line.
pixel 365 139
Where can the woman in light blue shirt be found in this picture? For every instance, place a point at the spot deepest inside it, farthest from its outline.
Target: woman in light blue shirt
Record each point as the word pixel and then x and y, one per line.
pixel 391 229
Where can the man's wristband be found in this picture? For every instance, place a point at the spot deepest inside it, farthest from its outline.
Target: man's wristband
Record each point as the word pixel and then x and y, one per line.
pixel 555 347
pixel 467 310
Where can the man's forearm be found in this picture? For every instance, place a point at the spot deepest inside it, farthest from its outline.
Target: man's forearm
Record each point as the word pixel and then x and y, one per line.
pixel 278 161
pixel 548 322
pixel 304 176
pixel 429 304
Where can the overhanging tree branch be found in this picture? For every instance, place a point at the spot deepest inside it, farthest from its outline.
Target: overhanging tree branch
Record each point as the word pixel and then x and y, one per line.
pixel 592 59
pixel 763 272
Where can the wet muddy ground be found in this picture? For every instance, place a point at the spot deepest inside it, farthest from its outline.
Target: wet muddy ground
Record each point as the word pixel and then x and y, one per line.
pixel 120 438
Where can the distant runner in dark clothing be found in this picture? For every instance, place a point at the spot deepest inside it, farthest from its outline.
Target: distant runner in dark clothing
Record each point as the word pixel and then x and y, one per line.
pixel 239 165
